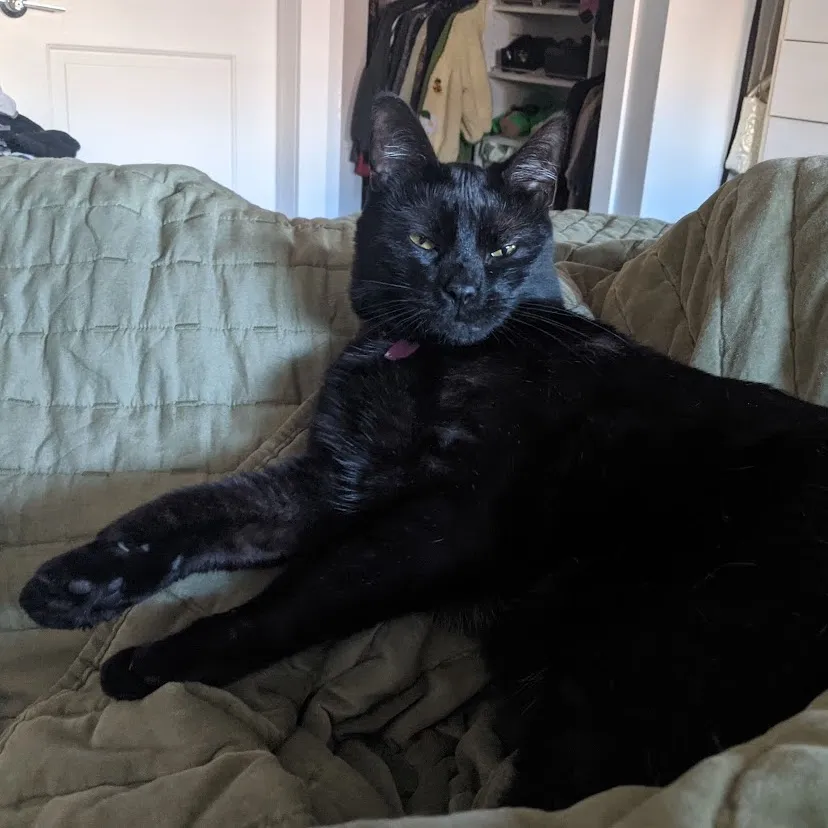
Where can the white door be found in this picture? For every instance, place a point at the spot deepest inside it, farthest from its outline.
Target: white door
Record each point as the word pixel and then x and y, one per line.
pixel 153 81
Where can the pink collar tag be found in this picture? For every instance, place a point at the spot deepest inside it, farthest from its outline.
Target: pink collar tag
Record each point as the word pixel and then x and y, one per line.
pixel 401 349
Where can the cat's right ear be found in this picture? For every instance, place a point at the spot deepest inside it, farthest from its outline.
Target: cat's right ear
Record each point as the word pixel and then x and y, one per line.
pixel 400 149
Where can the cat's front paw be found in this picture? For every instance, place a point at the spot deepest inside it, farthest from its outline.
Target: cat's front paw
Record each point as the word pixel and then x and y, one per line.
pixel 130 674
pixel 92 584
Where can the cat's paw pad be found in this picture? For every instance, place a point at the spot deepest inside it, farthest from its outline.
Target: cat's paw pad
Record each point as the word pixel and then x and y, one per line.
pixel 81 588
pixel 122 548
pixel 129 675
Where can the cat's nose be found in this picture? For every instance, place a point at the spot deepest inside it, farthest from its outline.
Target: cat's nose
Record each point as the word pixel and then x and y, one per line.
pixel 460 293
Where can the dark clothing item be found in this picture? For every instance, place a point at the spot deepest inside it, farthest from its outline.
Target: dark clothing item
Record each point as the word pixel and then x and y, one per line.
pixel 408 29
pixel 574 104
pixel 601 12
pixel 582 150
pixel 21 134
pixel 375 75
pixel 385 60
pixel 603 20
pixel 440 17
pixel 578 93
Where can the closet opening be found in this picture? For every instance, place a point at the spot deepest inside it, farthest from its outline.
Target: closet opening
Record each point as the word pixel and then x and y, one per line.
pixel 483 75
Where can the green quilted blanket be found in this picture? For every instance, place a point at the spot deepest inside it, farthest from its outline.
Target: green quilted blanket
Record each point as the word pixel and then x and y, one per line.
pixel 157 330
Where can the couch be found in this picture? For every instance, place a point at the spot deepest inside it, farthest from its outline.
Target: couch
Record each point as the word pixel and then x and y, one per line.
pixel 157 330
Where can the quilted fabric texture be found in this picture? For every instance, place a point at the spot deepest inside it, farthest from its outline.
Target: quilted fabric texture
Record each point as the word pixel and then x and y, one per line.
pixel 157 330
pixel 394 721
pixel 127 369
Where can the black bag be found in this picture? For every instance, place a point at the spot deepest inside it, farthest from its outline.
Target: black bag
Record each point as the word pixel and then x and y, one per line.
pixel 567 58
pixel 525 53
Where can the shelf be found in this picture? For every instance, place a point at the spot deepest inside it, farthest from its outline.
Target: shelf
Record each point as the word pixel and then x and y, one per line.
pixel 531 78
pixel 548 11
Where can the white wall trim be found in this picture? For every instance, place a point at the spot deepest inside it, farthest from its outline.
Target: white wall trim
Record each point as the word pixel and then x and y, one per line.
pixel 336 54
pixel 633 62
pixel 671 93
pixel 355 39
pixel 288 20
pixel 696 103
pixel 321 52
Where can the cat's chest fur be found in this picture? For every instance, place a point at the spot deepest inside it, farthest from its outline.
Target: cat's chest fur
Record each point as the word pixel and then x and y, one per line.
pixel 457 411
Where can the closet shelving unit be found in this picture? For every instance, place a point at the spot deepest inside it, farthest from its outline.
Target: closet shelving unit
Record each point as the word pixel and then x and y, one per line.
pixel 548 10
pixel 506 21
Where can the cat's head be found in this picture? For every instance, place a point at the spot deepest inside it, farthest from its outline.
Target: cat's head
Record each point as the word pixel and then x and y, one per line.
pixel 445 252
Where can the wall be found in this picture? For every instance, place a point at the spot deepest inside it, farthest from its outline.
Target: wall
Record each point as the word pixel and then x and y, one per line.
pixel 320 55
pixel 633 63
pixel 695 104
pixel 673 75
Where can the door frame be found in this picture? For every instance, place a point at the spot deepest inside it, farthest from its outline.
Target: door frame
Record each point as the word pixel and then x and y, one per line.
pixel 321 48
pixel 632 75
pixel 654 130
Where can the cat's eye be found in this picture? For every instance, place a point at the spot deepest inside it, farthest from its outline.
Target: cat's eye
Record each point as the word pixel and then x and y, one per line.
pixel 504 251
pixel 422 241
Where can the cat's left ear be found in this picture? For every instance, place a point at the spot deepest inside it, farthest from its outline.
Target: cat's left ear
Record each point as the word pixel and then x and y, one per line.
pixel 534 169
pixel 400 149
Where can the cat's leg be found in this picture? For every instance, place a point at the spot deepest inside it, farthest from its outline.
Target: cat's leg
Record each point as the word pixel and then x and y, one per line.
pixel 415 558
pixel 242 522
pixel 641 700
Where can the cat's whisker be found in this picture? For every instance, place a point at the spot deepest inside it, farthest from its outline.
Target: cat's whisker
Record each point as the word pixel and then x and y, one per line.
pixel 394 304
pixel 578 354
pixel 603 329
pixel 520 334
pixel 583 337
pixel 504 332
pixel 556 324
pixel 562 312
pixel 394 285
pixel 380 303
pixel 521 319
pixel 400 317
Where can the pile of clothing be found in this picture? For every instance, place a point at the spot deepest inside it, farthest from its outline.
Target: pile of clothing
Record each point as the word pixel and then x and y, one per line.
pixel 430 52
pixel 22 137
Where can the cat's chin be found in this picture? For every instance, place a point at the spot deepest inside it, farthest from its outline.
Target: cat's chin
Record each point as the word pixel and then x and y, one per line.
pixel 461 334
pixel 454 333
pixel 464 339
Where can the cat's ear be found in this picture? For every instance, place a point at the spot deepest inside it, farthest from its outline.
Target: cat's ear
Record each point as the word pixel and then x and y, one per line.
pixel 400 149
pixel 535 167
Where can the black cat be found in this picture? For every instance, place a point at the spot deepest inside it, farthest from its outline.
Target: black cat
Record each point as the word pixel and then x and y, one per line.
pixel 642 547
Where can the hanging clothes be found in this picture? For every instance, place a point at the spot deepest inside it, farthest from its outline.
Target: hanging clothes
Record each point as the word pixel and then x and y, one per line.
pixel 457 97
pixel 588 9
pixel 437 30
pixel 601 12
pixel 410 25
pixel 431 54
pixel 411 37
pixel 375 75
pixel 415 65
pixel 574 105
pixel 582 150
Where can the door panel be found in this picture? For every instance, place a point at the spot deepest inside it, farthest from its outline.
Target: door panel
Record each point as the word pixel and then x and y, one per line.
pixel 191 82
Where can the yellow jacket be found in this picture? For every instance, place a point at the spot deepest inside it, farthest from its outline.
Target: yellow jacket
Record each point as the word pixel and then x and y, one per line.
pixel 458 97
